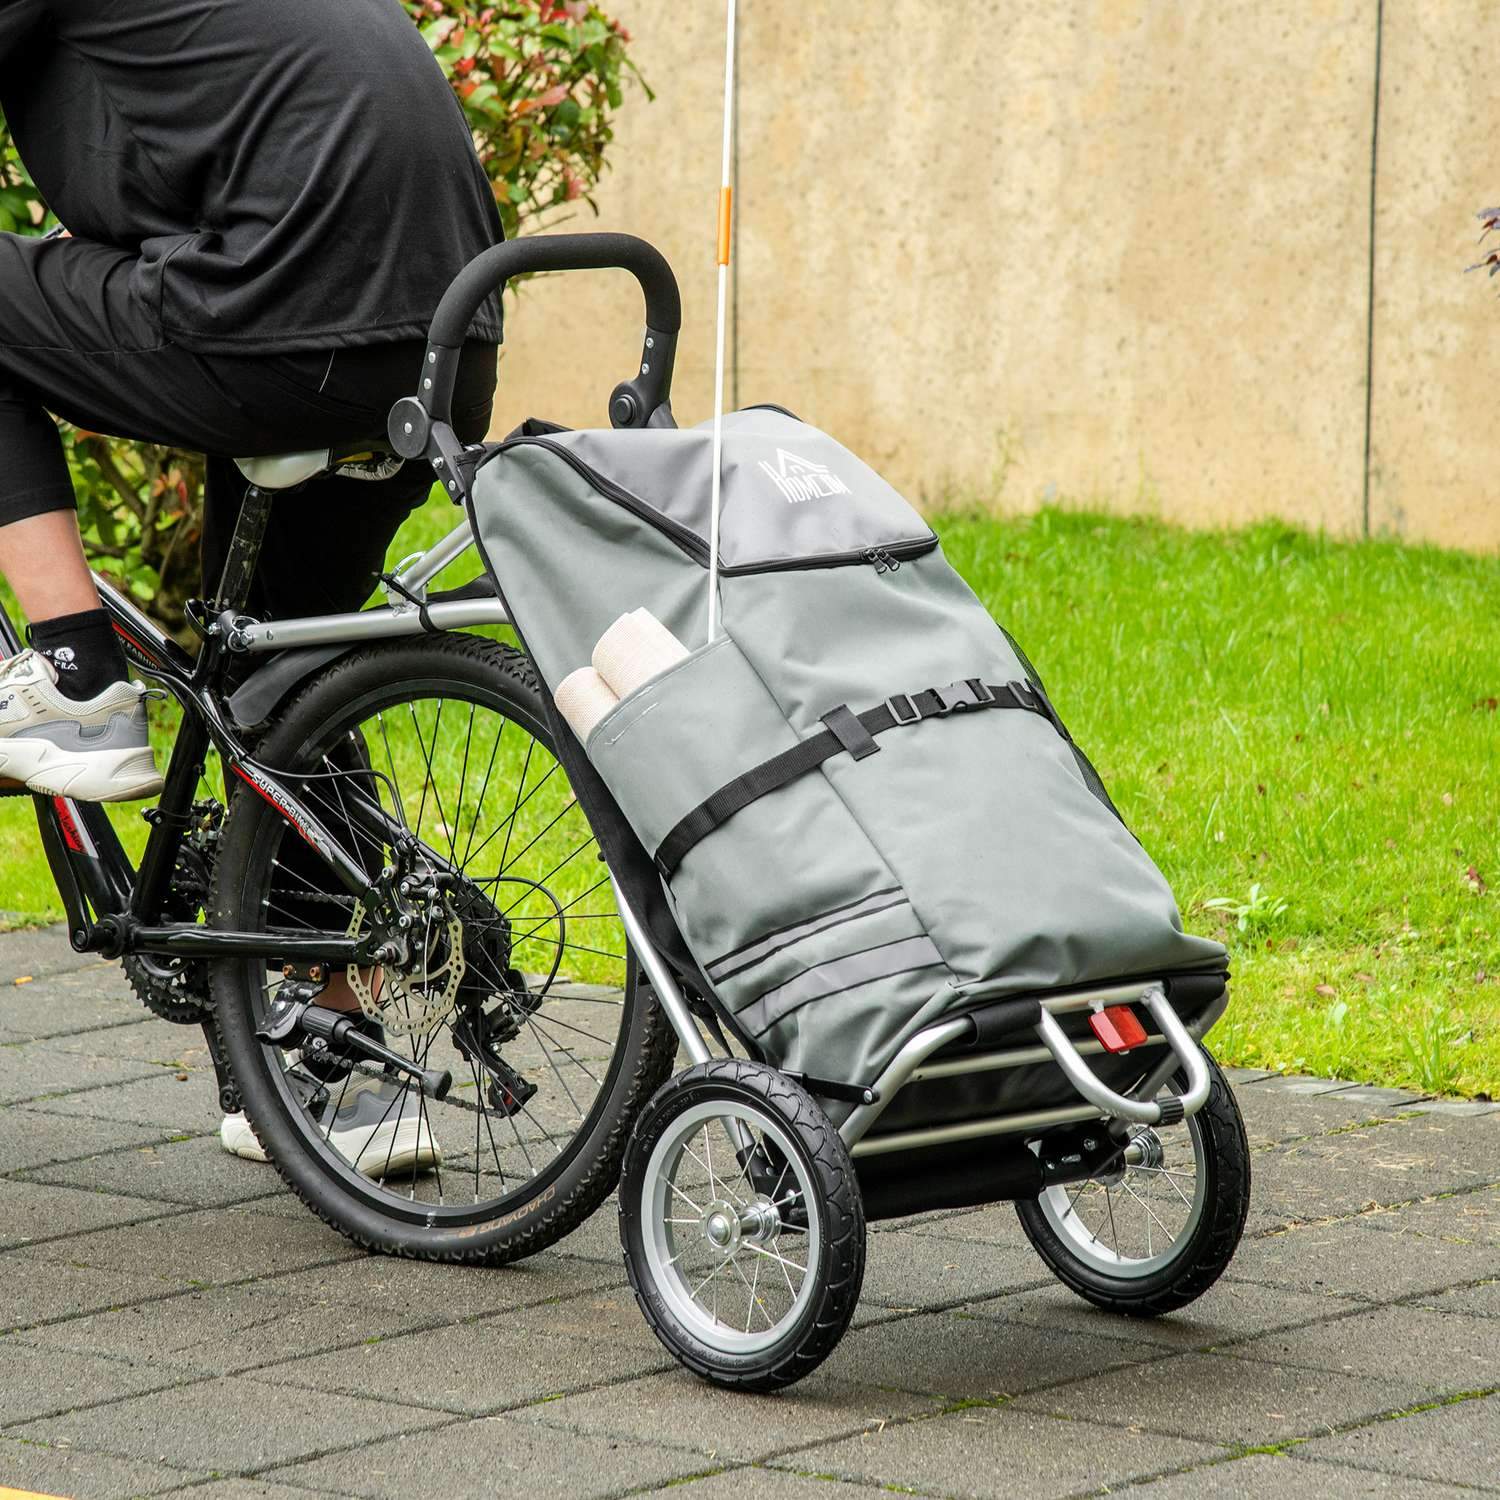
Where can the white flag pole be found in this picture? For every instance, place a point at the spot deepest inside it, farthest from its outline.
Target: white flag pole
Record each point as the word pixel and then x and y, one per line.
pixel 726 192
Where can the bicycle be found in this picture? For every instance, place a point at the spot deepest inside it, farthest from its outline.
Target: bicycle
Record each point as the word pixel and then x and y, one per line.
pixel 399 809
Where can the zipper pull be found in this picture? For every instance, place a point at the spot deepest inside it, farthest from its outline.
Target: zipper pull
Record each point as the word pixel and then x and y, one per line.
pixel 876 557
pixel 892 563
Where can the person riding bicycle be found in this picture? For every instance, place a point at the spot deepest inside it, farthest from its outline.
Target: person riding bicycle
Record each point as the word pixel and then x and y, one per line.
pixel 264 204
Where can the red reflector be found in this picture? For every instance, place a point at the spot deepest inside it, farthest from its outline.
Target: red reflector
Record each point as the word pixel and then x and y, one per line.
pixel 1118 1028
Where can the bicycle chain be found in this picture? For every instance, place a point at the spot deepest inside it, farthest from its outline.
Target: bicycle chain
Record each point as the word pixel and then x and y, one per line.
pixel 179 992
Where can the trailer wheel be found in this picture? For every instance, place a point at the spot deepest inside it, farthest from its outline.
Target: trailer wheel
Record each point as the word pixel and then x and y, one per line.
pixel 1154 1235
pixel 742 1225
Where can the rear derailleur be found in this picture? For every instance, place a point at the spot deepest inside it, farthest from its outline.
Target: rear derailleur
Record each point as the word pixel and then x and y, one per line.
pixel 479 1035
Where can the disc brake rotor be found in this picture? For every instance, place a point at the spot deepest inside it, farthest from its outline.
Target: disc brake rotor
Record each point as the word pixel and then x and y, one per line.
pixel 419 1000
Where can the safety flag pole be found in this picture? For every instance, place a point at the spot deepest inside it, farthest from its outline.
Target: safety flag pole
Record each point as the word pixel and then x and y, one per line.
pixel 726 198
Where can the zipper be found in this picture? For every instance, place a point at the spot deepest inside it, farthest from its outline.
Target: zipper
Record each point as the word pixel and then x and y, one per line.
pixel 689 541
pixel 889 555
pixel 893 553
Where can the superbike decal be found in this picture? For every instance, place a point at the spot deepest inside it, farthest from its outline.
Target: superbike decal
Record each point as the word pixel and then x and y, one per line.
pixel 267 790
pixel 73 835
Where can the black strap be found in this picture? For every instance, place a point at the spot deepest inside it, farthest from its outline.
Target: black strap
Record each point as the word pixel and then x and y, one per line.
pixel 846 731
pixel 396 586
pixel 482 587
pixel 850 733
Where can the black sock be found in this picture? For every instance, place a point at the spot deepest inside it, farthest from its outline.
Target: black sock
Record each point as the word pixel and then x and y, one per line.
pixel 84 651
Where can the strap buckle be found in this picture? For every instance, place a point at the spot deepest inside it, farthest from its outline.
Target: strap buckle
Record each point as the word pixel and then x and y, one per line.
pixel 961 697
pixel 1028 697
pixel 903 710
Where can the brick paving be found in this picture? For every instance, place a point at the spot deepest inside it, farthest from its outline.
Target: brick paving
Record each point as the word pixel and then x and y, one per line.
pixel 172 1320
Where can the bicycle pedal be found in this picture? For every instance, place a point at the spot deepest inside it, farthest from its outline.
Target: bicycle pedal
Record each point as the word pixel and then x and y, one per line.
pixel 508 1092
pixel 312 1092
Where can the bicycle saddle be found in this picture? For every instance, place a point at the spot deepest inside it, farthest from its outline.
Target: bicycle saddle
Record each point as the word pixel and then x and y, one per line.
pixel 369 458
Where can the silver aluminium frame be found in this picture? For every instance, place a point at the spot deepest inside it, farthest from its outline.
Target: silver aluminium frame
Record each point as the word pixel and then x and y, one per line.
pixel 398 617
pixel 911 1065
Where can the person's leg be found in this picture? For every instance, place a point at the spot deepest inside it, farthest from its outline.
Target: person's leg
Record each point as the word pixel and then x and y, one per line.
pixel 70 722
pixel 41 557
pixel 41 553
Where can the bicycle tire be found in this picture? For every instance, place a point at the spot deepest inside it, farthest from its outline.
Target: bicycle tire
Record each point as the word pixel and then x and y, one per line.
pixel 557 1200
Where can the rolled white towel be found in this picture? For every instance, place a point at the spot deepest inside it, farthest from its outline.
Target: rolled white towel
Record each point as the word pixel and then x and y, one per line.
pixel 583 698
pixel 636 648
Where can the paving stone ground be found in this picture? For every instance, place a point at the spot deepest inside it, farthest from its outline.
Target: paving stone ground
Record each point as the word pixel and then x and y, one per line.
pixel 171 1320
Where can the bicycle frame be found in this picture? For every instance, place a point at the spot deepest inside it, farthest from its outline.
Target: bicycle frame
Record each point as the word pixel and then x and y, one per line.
pixel 114 909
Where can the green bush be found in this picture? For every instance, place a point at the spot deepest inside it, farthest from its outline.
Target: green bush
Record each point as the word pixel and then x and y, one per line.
pixel 539 80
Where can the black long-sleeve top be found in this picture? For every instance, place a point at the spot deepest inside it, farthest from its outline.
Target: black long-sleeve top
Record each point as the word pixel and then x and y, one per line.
pixel 290 174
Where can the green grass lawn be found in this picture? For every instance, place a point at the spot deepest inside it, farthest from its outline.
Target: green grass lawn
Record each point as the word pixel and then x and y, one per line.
pixel 1308 731
pixel 1304 733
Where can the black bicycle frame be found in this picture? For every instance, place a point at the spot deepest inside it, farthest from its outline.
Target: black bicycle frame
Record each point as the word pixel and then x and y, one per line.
pixel 114 909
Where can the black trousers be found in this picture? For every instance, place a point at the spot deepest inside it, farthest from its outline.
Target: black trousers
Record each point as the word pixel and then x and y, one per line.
pixel 78 340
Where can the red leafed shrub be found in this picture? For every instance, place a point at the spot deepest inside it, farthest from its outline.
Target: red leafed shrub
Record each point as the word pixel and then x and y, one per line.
pixel 539 80
pixel 539 83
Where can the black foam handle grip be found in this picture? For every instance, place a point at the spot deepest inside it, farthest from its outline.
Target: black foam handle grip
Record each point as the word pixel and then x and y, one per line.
pixel 558 252
pixel 555 252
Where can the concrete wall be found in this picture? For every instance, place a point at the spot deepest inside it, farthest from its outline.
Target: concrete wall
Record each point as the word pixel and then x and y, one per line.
pixel 1116 251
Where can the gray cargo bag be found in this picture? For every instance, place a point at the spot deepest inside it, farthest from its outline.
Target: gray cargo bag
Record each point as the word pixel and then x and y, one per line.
pixel 861 808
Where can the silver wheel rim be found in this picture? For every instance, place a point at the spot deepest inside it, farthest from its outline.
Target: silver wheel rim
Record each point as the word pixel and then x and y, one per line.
pixel 1135 1222
pixel 719 1251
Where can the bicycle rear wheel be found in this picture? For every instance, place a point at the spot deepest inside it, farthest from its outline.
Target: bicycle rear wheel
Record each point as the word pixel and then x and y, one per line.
pixel 521 982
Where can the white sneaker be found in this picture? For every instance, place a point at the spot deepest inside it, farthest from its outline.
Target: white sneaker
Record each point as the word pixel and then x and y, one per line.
pixel 380 1137
pixel 238 1139
pixel 388 1138
pixel 97 750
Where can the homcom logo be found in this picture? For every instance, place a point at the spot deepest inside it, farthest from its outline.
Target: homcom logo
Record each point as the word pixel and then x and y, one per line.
pixel 800 479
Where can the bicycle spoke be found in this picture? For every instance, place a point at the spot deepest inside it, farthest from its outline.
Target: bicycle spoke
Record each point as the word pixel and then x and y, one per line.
pixel 697 1208
pixel 522 798
pixel 1171 1181
pixel 492 790
pixel 484 788
pixel 1151 1217
pixel 547 1053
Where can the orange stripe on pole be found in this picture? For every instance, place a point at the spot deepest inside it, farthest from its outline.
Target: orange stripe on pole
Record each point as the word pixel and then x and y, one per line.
pixel 726 199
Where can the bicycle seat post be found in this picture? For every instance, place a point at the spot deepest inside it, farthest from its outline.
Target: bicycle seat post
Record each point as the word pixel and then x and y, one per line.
pixel 244 549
